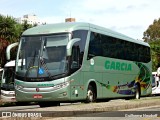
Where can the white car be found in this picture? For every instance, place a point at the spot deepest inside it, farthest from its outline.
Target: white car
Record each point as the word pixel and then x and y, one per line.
pixel 158 71
pixel 155 86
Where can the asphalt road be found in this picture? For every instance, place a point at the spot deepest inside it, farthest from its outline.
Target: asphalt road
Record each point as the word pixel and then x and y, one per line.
pixel 32 107
pixel 9 108
pixel 80 111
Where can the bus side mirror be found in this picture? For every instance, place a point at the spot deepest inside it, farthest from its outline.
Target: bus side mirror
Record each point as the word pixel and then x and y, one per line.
pixel 70 45
pixel 9 47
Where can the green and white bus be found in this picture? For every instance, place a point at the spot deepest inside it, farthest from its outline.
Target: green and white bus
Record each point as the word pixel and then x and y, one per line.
pixel 80 61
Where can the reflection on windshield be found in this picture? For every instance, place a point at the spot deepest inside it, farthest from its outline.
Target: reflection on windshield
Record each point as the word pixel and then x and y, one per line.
pixel 42 56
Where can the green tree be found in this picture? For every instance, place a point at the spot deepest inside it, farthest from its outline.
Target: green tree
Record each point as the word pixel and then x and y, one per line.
pixel 8 28
pixel 3 45
pixel 152 36
pixel 10 32
pixel 26 26
pixel 153 31
pixel 155 53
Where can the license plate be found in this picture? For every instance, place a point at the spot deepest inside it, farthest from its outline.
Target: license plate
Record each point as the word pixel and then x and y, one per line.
pixel 37 96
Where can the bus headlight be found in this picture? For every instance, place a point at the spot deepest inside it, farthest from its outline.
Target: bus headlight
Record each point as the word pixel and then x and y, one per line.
pixel 18 87
pixel 61 85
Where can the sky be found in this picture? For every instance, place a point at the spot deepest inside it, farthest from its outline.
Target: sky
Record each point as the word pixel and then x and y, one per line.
pixel 129 17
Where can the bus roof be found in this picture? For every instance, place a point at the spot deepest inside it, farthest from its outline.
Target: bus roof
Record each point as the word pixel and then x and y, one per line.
pixel 70 26
pixel 55 28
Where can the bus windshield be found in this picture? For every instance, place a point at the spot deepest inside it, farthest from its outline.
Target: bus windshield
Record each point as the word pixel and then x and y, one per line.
pixel 42 57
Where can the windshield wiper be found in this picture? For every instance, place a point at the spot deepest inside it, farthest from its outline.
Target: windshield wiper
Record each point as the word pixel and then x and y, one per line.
pixel 30 63
pixel 59 75
pixel 45 67
pixel 41 58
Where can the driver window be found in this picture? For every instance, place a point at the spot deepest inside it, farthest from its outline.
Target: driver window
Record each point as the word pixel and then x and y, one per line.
pixel 75 62
pixel 95 45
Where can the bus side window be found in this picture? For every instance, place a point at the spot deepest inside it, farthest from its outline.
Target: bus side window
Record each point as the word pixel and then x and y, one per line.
pixel 95 45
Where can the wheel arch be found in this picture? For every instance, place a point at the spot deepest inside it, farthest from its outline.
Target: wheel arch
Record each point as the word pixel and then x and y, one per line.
pixel 92 82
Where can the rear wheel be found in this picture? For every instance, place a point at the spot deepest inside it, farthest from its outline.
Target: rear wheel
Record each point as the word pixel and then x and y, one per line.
pixel 91 95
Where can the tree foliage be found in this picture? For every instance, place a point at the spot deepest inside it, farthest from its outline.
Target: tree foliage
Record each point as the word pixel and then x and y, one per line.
pixel 8 28
pixel 3 45
pixel 152 36
pixel 10 32
pixel 153 31
pixel 155 52
pixel 26 26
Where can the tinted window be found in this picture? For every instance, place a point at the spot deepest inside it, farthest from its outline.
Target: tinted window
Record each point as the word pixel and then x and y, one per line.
pixel 107 46
pixel 82 34
pixel 95 45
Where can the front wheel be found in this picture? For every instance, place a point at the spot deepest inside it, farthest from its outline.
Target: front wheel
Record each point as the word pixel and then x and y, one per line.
pixel 91 95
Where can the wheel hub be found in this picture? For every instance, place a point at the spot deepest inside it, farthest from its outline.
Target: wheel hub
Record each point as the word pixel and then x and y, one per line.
pixel 90 95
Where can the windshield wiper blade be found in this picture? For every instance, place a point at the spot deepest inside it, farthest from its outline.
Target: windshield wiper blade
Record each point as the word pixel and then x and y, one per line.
pixel 41 58
pixel 58 75
pixel 30 63
pixel 45 67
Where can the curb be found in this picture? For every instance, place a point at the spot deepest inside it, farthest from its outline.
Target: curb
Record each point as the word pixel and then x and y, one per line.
pixel 83 109
pixel 104 107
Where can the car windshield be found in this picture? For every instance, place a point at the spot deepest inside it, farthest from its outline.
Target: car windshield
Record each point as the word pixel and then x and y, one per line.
pixel 42 56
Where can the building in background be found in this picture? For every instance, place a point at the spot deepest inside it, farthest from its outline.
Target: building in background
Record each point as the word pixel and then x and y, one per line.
pixel 30 18
pixel 70 20
pixel 33 19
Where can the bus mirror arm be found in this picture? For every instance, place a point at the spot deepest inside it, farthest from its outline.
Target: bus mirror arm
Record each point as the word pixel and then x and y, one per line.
pixel 70 45
pixel 9 47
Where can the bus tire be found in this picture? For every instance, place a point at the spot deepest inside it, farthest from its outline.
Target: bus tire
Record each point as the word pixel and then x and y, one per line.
pixel 137 92
pixel 91 95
